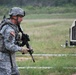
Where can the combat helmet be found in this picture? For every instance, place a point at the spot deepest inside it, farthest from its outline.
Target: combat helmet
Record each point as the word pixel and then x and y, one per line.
pixel 17 11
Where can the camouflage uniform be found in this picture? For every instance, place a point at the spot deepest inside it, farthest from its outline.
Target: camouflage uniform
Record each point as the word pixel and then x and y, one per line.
pixel 10 34
pixel 10 44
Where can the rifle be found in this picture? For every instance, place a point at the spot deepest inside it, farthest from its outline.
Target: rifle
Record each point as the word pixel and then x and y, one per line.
pixel 25 38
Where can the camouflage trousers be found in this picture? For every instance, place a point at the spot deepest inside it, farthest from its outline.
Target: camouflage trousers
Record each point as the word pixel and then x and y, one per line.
pixel 8 71
pixel 5 65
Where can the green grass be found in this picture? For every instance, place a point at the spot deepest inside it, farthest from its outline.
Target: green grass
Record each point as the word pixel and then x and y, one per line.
pixel 45 72
pixel 57 62
pixel 49 10
pixel 35 72
pixel 48 28
pixel 48 16
pixel 51 16
pixel 44 12
pixel 46 36
pixel 47 33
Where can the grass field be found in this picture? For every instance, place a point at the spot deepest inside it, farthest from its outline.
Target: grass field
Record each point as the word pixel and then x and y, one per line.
pixel 47 36
pixel 51 16
pixel 48 28
pixel 47 33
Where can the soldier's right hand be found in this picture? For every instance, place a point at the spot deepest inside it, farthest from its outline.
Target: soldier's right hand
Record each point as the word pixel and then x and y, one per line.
pixel 24 50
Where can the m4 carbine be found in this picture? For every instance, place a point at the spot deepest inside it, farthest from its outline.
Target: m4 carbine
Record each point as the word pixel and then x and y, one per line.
pixel 25 41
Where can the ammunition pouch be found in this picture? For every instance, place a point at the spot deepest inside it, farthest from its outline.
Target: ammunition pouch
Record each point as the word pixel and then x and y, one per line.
pixel 1 43
pixel 2 47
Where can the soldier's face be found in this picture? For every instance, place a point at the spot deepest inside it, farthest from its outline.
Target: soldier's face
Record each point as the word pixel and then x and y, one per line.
pixel 17 19
pixel 20 18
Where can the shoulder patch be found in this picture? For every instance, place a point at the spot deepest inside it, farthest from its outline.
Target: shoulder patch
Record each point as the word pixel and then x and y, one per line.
pixel 12 33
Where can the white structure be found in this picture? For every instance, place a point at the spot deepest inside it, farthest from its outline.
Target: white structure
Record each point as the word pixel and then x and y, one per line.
pixel 73 33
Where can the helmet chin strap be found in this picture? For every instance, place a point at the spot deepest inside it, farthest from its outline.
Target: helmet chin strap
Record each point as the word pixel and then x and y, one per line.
pixel 18 24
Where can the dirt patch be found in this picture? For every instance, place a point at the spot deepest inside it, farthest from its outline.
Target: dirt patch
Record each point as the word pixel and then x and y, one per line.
pixel 74 74
pixel 21 58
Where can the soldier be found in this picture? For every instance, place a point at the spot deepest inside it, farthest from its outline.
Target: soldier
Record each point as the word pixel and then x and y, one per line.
pixel 10 34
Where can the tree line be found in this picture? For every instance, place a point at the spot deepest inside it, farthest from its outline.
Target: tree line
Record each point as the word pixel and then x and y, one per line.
pixel 37 2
